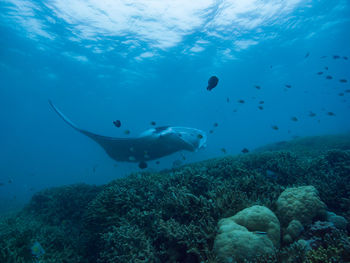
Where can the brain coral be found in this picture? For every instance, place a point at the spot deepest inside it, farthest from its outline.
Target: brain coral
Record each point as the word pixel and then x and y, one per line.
pixel 299 203
pixel 252 232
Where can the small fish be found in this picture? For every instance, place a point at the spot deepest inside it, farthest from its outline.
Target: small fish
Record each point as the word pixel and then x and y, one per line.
pixel 223 150
pixel 216 124
pixel 153 123
pixel 2 184
pixel 320 73
pixel 200 136
pixel 311 114
pixel 341 94
pixel 257 87
pixel 326 68
pixel 261 102
pixel 126 132
pixel 260 107
pixel 228 100
pixel 211 131
pixel 343 80
pixel 37 250
pixel 294 119
pixel 157 162
pixel 241 101
pixel 275 127
pixel 234 110
pixel 345 57
pixel 212 82
pixel 10 181
pixel 330 113
pixel 323 57
pixel 329 77
pixel 347 90
pixel 336 57
pixel 117 123
pixel 260 233
pixel 142 165
pixel 307 55
pixel 288 86
pixel 245 150
pixel 270 173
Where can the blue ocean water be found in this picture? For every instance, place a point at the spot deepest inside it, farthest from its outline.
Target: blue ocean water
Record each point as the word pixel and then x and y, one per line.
pixel 144 61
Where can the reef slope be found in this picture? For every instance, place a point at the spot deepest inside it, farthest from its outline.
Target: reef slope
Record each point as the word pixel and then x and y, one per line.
pixel 172 216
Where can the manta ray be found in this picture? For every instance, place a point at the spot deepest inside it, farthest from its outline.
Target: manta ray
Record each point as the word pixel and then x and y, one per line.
pixel 150 145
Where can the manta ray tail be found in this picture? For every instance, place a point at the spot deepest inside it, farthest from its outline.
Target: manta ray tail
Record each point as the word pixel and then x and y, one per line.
pixel 68 121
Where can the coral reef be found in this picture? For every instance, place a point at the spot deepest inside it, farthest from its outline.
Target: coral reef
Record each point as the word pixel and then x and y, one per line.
pixel 252 232
pixel 300 203
pixel 173 215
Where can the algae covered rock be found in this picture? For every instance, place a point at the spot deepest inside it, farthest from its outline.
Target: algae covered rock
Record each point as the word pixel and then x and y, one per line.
pixel 250 233
pixel 300 203
pixel 260 218
pixel 293 231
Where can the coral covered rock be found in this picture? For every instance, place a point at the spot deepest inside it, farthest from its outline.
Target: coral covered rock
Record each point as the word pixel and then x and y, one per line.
pixel 293 230
pixel 300 203
pixel 250 233
pixel 260 218
pixel 339 221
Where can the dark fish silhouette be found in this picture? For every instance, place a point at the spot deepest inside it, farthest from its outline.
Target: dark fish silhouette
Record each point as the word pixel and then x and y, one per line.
pixel 257 87
pixel 343 80
pixel 260 107
pixel 307 54
pixel 336 57
pixel 212 82
pixel 326 68
pixel 330 113
pixel 294 119
pixel 228 100
pixel 319 73
pixel 275 127
pixel 345 57
pixel 341 94
pixel 261 102
pixel 311 114
pixel 216 124
pixel 288 86
pixel 142 165
pixel 117 123
pixel 241 101
pixel 223 150
pixel 329 77
pixel 245 150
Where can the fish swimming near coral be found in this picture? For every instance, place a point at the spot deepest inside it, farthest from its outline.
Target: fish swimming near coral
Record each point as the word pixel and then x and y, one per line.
pixel 156 142
pixel 37 250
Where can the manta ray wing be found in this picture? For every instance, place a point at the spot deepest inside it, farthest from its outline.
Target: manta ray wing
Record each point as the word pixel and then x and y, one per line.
pixel 140 149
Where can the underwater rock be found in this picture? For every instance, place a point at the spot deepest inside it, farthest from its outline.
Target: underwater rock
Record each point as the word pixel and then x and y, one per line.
pixel 251 232
pixel 293 231
pixel 236 243
pixel 338 221
pixel 300 203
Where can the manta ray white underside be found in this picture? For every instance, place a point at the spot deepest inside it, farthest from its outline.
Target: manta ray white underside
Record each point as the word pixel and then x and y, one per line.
pixel 150 145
